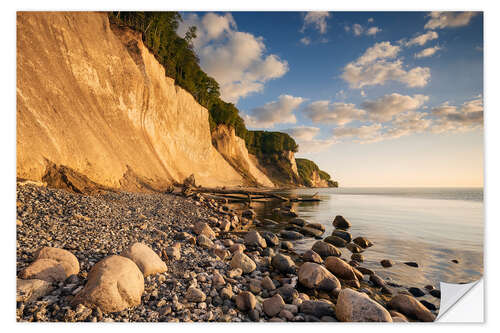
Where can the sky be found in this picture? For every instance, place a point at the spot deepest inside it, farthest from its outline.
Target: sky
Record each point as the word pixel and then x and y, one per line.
pixel 389 99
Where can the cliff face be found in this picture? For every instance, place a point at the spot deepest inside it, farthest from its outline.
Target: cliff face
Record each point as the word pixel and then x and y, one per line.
pixel 234 150
pixel 95 100
pixel 316 180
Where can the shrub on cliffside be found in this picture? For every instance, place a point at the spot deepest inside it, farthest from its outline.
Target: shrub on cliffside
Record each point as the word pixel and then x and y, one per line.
pixel 306 169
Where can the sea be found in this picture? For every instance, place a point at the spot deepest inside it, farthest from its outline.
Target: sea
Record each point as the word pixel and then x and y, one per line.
pixel 430 226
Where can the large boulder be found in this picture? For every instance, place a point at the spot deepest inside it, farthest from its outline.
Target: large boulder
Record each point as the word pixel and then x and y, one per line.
pixel 283 264
pixel 242 261
pixel 354 248
pixel 315 225
pixel 315 276
pixel 335 241
pixel 253 238
pixel 342 234
pixel 44 269
pixel 65 258
pixel 30 290
pixel 312 232
pixel 325 249
pixel 273 305
pixel 317 308
pixel 312 256
pixel 202 228
pixel 340 268
pixel 114 284
pixel 245 301
pixel 299 221
pixel 353 306
pixel 411 307
pixel 341 223
pixel 145 258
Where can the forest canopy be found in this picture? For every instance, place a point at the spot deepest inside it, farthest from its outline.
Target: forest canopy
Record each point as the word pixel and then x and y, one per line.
pixel 176 54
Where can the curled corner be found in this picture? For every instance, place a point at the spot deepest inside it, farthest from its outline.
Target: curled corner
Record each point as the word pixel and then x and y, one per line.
pixel 465 309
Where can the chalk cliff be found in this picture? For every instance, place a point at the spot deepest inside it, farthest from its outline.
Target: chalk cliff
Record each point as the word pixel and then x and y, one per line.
pixel 92 98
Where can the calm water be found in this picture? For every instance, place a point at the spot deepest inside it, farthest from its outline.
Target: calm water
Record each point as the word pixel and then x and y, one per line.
pixel 431 226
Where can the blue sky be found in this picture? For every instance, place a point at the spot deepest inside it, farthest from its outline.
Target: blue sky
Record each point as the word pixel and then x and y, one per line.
pixel 375 98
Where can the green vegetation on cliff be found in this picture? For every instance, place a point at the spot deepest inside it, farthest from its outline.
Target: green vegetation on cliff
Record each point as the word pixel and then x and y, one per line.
pixel 306 168
pixel 177 56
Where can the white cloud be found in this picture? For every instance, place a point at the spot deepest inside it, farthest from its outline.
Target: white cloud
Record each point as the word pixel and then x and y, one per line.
pixel 386 107
pixel 423 38
pixel 315 145
pixel 443 20
pixel 363 132
pixel 427 52
pixel 305 40
pixel 276 112
pixel 374 68
pixel 408 123
pixel 451 118
pixel 357 29
pixel 302 132
pixel 237 60
pixel 317 20
pixel 373 31
pixel 335 113
pixel 377 73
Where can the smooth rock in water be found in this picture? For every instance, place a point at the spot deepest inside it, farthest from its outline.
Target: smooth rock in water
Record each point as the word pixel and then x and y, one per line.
pixel 289 234
pixel 312 256
pixel 411 307
pixel 416 292
pixel 202 228
pixel 204 241
pixel 341 223
pixel 455 261
pixel 242 261
pixel 362 241
pixel 249 214
pixel 365 270
pixel 286 245
pixel 342 234
pixel 267 283
pixel 353 306
pixel 174 251
pixel 340 268
pixel 65 258
pixel 114 283
pixel 436 293
pixel 325 249
pixel 28 291
pixel 411 263
pixel 317 308
pixel 145 258
pixel 312 232
pixel 44 269
pixel 357 257
pixel 298 221
pixel 428 305
pixel 245 301
pixel 318 226
pixel 315 276
pixel 253 238
pixel 271 238
pixel 272 306
pixel 386 263
pixel 195 295
pixel 335 241
pixel 283 264
pixel 429 287
pixel 354 248
pixel 377 280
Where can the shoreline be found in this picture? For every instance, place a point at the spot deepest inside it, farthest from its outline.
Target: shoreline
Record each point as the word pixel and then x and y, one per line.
pixel 104 224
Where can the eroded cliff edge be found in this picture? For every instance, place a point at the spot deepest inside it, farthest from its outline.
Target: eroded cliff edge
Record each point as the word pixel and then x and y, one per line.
pixel 92 98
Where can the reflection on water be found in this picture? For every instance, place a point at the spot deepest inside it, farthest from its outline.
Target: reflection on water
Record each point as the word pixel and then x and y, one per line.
pixel 429 226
